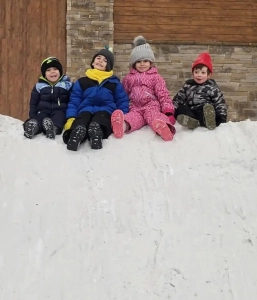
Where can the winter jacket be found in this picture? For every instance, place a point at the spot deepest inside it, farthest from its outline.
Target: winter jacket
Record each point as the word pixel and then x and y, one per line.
pixel 195 95
pixel 48 97
pixel 88 95
pixel 147 90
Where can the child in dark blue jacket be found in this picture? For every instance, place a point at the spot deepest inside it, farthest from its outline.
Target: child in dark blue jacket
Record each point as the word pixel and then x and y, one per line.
pixel 93 99
pixel 49 101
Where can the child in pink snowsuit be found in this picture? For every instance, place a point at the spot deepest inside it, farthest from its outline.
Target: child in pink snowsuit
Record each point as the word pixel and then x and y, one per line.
pixel 150 102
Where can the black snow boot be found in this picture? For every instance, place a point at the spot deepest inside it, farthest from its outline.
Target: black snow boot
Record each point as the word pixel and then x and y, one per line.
pixel 76 137
pixel 96 135
pixel 49 128
pixel 31 128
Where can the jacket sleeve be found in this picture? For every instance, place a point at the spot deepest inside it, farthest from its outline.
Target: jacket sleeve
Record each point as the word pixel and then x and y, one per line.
pixel 33 104
pixel 219 105
pixel 76 98
pixel 121 98
pixel 180 97
pixel 163 95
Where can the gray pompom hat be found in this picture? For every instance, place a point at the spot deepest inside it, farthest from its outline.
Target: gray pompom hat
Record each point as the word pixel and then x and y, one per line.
pixel 142 51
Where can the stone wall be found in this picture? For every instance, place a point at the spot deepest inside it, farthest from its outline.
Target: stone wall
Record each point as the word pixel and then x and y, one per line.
pixel 90 27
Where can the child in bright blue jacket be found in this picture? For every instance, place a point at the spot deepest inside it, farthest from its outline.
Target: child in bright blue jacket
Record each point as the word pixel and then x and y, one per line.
pixel 93 99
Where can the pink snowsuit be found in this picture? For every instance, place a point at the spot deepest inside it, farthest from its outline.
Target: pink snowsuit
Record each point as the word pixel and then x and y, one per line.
pixel 149 99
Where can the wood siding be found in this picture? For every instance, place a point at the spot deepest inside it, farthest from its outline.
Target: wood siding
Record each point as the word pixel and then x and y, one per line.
pixel 30 30
pixel 199 21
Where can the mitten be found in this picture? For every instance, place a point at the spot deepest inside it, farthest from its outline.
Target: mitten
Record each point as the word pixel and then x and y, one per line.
pixel 170 113
pixel 68 124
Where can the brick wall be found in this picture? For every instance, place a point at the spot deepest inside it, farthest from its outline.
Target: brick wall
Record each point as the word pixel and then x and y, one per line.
pixel 90 27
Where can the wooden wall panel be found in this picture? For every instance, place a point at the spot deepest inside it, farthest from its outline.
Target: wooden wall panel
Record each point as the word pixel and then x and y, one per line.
pixel 30 30
pixel 199 21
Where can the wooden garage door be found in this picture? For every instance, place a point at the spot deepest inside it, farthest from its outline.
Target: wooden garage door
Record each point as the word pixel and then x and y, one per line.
pixel 30 30
pixel 198 21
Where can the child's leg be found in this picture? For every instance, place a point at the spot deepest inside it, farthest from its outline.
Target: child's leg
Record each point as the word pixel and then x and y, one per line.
pixel 77 134
pixel 58 118
pixel 48 128
pixel 160 123
pixel 134 121
pixel 99 128
pixel 34 126
pixel 31 128
pixel 186 117
pixel 206 116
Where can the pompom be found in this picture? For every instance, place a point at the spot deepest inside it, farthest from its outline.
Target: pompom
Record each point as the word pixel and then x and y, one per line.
pixel 139 40
pixel 108 48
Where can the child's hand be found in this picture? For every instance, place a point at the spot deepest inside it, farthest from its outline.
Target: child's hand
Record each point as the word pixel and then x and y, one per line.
pixel 68 124
pixel 172 119
pixel 170 113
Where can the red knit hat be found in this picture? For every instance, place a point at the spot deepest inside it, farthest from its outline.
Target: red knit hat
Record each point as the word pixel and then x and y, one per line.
pixel 203 59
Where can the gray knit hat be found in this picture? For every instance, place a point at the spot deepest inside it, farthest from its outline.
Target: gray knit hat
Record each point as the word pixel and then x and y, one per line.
pixel 142 51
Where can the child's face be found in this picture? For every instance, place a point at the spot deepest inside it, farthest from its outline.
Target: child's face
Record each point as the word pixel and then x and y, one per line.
pixel 100 63
pixel 52 74
pixel 143 65
pixel 201 75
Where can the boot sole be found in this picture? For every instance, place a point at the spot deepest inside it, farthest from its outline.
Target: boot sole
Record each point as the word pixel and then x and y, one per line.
pixel 209 116
pixel 161 128
pixel 48 126
pixel 96 136
pixel 187 121
pixel 117 120
pixel 76 137
pixel 29 131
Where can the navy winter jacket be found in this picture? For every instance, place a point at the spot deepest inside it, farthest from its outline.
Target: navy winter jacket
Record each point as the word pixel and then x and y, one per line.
pixel 47 97
pixel 88 95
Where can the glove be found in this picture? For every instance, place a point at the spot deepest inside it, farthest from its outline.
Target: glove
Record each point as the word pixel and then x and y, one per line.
pixel 170 114
pixel 68 124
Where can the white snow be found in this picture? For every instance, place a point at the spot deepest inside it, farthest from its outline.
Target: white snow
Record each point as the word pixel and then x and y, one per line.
pixel 141 219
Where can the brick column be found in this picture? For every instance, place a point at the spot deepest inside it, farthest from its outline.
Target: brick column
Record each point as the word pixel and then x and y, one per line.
pixel 89 28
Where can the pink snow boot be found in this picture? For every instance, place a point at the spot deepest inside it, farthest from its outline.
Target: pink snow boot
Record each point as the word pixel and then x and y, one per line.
pixel 162 128
pixel 117 120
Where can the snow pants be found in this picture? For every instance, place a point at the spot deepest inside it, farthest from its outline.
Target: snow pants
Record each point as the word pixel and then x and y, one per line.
pixel 137 118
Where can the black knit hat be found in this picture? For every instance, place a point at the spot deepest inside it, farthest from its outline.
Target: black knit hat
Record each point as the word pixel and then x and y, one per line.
pixel 108 55
pixel 51 62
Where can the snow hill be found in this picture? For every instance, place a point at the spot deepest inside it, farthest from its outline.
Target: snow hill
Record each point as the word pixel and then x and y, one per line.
pixel 141 219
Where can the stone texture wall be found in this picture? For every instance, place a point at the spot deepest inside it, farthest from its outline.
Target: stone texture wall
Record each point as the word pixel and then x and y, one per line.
pixel 90 27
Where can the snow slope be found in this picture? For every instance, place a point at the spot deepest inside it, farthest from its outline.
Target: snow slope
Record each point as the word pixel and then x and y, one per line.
pixel 140 219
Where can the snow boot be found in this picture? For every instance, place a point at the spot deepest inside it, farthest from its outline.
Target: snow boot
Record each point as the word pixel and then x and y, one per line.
pixel 49 128
pixel 187 121
pixel 209 116
pixel 76 137
pixel 117 120
pixel 162 128
pixel 31 128
pixel 95 135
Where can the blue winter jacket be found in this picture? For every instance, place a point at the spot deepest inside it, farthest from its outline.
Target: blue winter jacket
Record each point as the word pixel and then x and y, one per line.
pixel 88 95
pixel 49 97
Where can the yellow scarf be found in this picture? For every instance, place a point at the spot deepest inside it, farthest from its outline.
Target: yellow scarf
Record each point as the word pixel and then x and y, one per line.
pixel 98 75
